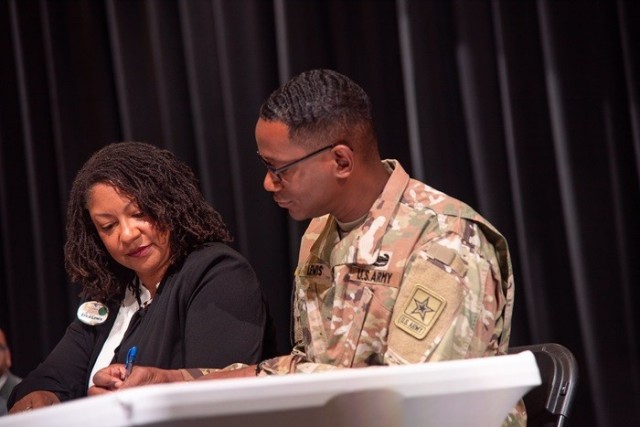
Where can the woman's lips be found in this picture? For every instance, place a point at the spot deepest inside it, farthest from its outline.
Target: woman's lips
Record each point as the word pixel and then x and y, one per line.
pixel 141 251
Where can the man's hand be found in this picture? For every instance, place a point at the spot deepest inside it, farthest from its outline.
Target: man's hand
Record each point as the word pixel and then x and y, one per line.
pixel 112 378
pixel 33 400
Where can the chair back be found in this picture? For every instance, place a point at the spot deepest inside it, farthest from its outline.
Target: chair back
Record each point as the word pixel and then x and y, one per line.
pixel 550 402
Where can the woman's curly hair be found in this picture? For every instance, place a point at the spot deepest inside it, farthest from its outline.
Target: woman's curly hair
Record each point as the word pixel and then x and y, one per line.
pixel 165 189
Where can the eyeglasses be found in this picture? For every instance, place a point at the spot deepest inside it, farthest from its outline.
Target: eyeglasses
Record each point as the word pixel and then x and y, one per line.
pixel 278 171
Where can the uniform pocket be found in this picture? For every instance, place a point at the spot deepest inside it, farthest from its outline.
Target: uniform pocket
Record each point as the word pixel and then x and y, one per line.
pixel 368 312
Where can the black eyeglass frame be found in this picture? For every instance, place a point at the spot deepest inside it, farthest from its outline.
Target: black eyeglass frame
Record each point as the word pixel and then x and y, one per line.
pixel 277 171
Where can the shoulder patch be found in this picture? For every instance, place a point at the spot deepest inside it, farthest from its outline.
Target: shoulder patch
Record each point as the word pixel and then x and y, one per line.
pixel 420 312
pixel 428 303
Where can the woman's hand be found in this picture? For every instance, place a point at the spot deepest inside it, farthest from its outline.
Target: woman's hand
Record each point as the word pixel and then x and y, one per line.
pixel 112 378
pixel 33 400
pixel 108 379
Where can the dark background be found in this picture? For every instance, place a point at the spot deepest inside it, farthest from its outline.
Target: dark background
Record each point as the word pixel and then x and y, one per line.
pixel 526 110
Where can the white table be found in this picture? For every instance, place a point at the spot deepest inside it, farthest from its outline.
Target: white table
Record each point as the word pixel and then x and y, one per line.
pixel 473 392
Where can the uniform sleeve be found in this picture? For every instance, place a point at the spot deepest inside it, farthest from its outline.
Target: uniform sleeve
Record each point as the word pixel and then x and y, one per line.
pixel 297 361
pixel 451 303
pixel 65 370
pixel 226 315
pixel 294 363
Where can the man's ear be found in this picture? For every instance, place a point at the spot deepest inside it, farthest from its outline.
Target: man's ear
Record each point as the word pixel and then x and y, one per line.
pixel 343 157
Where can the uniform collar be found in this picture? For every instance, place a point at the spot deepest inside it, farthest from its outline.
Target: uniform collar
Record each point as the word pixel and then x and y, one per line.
pixel 362 245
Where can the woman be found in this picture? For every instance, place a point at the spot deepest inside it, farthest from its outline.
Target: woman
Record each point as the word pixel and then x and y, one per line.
pixel 156 274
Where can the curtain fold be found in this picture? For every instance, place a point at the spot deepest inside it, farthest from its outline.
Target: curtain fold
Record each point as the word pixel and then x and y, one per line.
pixel 528 111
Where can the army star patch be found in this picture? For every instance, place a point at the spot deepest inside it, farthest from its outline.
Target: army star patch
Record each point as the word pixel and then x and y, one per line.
pixel 421 312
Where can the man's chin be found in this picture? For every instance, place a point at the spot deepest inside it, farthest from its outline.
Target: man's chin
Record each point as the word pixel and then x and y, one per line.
pixel 297 215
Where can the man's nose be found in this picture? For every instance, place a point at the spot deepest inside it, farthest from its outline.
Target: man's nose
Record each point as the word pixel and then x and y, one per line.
pixel 271 183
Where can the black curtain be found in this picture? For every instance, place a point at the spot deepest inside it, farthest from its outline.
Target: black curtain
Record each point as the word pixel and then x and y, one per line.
pixel 527 110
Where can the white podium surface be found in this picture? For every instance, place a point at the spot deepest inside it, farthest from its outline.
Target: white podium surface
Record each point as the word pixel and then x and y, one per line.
pixel 472 392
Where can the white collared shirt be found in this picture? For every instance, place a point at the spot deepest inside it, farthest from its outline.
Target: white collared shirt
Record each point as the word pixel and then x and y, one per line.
pixel 128 308
pixel 3 379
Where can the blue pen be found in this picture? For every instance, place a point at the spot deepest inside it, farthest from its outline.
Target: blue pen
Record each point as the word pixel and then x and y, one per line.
pixel 131 358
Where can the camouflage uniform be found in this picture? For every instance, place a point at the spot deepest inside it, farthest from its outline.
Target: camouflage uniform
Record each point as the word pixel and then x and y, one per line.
pixel 424 278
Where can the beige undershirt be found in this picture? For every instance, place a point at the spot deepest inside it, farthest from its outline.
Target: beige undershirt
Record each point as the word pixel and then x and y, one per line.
pixel 345 228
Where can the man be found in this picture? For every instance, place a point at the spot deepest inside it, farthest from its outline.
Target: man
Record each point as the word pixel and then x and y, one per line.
pixel 7 379
pixel 417 262
pixel 390 270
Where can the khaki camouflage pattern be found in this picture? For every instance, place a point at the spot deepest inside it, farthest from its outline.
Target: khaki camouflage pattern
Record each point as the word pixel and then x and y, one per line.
pixel 425 278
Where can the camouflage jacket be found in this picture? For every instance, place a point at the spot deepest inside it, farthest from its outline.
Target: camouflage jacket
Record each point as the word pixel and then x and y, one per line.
pixel 424 278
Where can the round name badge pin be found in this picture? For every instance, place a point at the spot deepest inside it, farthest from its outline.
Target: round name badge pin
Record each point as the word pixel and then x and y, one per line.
pixel 93 313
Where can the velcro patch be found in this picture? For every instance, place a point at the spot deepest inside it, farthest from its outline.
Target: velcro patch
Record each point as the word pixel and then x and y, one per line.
pixel 311 269
pixel 375 276
pixel 431 291
pixel 420 312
